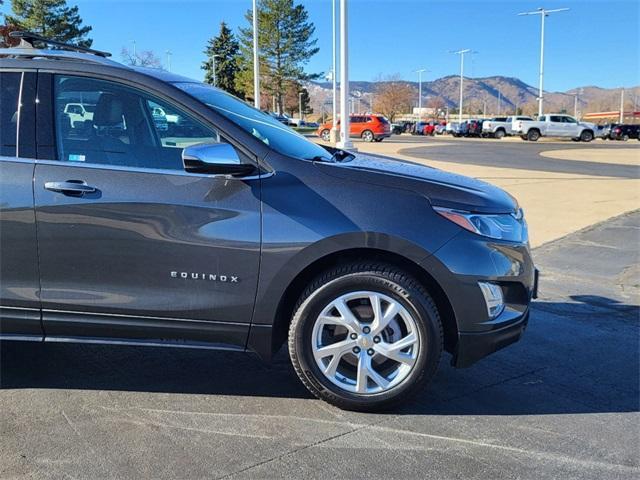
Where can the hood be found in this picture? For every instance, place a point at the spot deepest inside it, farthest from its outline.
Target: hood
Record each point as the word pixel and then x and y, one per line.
pixel 441 188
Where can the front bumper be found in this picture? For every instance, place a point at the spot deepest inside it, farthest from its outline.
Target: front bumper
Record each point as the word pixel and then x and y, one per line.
pixel 475 346
pixel 458 267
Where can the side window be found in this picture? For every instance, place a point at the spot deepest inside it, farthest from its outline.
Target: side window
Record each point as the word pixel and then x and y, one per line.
pixel 176 130
pixel 9 94
pixel 556 119
pixel 542 119
pixel 103 122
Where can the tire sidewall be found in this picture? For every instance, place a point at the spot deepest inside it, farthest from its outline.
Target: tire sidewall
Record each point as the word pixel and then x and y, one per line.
pixel 310 309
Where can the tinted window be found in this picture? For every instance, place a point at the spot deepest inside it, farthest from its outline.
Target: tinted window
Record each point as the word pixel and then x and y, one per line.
pixel 555 118
pixel 9 93
pixel 108 123
pixel 264 127
pixel 382 120
pixel 569 120
pixel 542 119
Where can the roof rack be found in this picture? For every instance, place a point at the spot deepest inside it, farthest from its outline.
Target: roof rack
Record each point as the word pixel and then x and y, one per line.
pixel 27 40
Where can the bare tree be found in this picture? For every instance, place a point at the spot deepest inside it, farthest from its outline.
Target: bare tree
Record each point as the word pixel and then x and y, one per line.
pixel 145 58
pixel 393 96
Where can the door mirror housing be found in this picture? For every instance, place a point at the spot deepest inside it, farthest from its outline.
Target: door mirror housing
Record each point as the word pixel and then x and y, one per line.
pixel 215 158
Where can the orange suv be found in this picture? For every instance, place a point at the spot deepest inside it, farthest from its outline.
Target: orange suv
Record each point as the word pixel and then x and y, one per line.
pixel 367 127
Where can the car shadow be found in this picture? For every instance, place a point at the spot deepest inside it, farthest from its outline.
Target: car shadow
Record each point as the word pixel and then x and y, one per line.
pixel 574 358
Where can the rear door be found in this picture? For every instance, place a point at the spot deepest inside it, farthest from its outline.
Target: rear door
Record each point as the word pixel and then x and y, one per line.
pixel 19 286
pixel 148 251
pixel 556 126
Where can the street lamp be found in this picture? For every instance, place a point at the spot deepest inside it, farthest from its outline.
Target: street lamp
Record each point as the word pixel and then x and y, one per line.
pixel 300 105
pixel 461 53
pixel 215 74
pixel 622 105
pixel 168 52
pixel 419 72
pixel 333 134
pixel 543 13
pixel 345 140
pixel 256 65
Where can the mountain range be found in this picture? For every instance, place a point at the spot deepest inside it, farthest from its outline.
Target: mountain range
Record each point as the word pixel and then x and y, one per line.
pixel 500 95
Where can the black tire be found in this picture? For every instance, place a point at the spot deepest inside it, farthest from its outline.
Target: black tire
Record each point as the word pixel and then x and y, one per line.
pixel 379 139
pixel 368 136
pixel 325 135
pixel 533 135
pixel 586 136
pixel 377 277
pixel 524 137
pixel 625 138
pixel 499 134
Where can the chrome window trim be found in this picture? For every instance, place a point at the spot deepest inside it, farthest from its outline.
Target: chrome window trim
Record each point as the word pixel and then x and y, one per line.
pixel 161 171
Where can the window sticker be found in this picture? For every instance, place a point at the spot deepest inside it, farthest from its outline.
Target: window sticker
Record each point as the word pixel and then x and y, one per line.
pixel 76 158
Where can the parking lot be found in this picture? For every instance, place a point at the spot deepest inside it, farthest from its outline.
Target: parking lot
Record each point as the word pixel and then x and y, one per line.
pixel 562 403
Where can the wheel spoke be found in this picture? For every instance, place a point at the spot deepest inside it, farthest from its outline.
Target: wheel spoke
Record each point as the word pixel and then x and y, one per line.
pixel 393 350
pixel 366 371
pixel 349 320
pixel 382 321
pixel 334 349
pixel 361 380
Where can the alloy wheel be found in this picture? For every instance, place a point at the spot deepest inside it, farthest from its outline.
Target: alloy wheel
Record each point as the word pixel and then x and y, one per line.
pixel 365 342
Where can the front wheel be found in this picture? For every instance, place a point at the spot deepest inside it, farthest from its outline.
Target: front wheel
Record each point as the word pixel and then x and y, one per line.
pixel 586 136
pixel 325 135
pixel 499 134
pixel 365 337
pixel 368 136
pixel 524 137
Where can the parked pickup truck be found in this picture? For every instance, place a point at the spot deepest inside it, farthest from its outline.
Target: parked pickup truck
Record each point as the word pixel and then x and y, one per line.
pixel 498 127
pixel 554 125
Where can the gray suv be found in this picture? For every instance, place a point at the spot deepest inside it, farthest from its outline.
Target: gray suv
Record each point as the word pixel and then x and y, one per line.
pixel 218 227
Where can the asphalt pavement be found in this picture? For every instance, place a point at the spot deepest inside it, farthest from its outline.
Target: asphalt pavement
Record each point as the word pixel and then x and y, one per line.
pixel 561 403
pixel 521 155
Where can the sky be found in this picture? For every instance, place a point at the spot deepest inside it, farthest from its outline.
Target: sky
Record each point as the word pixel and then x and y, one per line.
pixel 597 42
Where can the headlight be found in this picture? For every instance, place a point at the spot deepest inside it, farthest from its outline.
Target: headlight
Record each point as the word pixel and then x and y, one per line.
pixel 508 226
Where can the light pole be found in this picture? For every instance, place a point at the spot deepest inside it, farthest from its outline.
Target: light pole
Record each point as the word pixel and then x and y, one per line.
pixel 499 101
pixel 345 141
pixel 622 105
pixel 256 65
pixel 300 105
pixel 168 52
pixel 419 72
pixel 333 134
pixel 215 74
pixel 543 14
pixel 461 53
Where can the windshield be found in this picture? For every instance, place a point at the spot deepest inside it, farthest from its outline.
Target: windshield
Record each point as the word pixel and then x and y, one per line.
pixel 262 126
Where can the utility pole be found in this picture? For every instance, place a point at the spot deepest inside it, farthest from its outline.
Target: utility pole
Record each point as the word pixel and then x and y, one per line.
pixel 256 65
pixel 168 52
pixel 215 74
pixel 622 105
pixel 300 105
pixel 419 72
pixel 333 134
pixel 345 141
pixel 461 53
pixel 543 14
pixel 499 101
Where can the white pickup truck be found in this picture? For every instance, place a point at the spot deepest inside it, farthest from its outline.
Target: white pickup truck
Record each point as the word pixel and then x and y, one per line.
pixel 554 125
pixel 498 127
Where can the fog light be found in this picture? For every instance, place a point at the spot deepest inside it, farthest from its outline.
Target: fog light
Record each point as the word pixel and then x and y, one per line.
pixel 493 298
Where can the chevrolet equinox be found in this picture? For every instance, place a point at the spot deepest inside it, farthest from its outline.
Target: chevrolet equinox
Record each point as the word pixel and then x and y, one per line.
pixel 140 207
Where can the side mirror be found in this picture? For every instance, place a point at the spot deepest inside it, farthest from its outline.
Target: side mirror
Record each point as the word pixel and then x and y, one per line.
pixel 215 158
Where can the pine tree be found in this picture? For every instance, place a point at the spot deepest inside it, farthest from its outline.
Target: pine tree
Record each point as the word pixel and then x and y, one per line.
pixel 226 49
pixel 51 19
pixel 285 42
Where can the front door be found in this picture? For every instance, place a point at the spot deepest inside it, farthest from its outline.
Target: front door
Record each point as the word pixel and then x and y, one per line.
pixel 130 244
pixel 19 302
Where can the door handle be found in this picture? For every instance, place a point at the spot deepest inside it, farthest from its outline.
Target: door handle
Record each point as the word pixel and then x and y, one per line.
pixel 72 187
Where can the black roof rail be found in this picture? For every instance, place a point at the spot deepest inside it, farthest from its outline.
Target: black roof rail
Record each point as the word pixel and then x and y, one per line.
pixel 27 40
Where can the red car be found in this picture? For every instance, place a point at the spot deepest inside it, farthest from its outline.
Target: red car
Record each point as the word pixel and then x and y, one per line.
pixel 368 127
